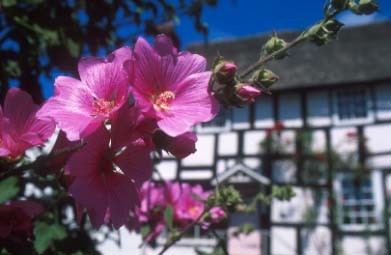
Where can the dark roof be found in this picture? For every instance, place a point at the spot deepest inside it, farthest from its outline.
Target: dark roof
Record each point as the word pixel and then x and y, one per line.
pixel 359 54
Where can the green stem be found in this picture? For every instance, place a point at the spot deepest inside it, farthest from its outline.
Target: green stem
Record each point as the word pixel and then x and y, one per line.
pixel 176 238
pixel 301 38
pixel 41 162
pixel 271 56
pixel 222 243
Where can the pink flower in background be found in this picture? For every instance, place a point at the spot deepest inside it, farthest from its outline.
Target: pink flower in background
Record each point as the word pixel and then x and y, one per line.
pixel 108 177
pixel 19 127
pixel 188 207
pixel 184 199
pixel 171 87
pixel 248 92
pixel 80 106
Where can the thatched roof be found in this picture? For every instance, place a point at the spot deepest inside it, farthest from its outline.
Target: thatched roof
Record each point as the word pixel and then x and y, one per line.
pixel 359 54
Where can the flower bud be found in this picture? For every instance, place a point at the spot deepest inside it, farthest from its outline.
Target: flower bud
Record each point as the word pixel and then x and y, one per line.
pixel 324 32
pixel 265 77
pixel 340 4
pixel 224 72
pixel 247 92
pixel 274 44
pixel 367 7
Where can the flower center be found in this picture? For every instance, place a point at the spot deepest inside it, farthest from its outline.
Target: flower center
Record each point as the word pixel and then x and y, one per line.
pixel 101 106
pixel 194 211
pixel 163 100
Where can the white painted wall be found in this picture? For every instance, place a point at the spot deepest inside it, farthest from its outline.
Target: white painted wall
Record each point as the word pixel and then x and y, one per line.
pixel 228 144
pixel 359 246
pixel 204 154
pixel 252 141
pixel 284 241
pixel 295 210
pixel 316 241
pixel 378 138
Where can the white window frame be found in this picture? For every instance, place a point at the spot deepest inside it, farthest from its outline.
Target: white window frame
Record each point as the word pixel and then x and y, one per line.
pixel 353 121
pixel 376 200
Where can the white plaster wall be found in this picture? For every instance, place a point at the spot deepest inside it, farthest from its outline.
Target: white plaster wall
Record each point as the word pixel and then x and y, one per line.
pixel 287 140
pixel 379 162
pixel 228 144
pixel 383 101
pixel 341 142
pixel 224 164
pixel 295 210
pixel 241 118
pixel 319 142
pixel 378 138
pixel 289 110
pixel 318 109
pixel 196 175
pixel 264 112
pixel 316 241
pixel 283 241
pixel 129 245
pixel 252 141
pixel 204 154
pixel 167 170
pixel 359 246
pixel 254 163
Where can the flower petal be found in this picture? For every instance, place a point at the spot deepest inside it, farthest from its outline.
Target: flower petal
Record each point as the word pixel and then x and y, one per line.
pixel 193 104
pixel 87 160
pixel 135 162
pixel 106 77
pixel 90 192
pixel 123 198
pixel 19 108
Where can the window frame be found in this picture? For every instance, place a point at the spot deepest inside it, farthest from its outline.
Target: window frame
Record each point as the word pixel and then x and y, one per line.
pixel 355 120
pixel 376 211
pixel 216 129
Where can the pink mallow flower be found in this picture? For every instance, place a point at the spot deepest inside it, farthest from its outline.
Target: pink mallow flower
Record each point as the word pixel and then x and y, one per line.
pixel 108 172
pixel 80 106
pixel 184 199
pixel 19 127
pixel 248 92
pixel 171 87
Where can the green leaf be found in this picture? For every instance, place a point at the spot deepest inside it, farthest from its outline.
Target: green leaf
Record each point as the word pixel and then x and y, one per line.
pixel 46 234
pixel 8 189
pixel 168 216
pixel 145 229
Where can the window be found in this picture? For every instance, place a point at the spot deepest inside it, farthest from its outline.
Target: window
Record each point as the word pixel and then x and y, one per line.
pixel 352 106
pixel 220 122
pixel 358 203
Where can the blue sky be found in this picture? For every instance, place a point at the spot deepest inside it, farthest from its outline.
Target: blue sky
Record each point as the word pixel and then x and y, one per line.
pixel 236 18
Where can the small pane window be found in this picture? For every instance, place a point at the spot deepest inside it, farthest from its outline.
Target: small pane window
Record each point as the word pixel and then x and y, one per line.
pixel 221 122
pixel 358 201
pixel 352 104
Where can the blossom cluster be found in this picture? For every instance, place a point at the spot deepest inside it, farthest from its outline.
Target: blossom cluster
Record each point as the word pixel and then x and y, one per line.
pixel 124 107
pixel 186 202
